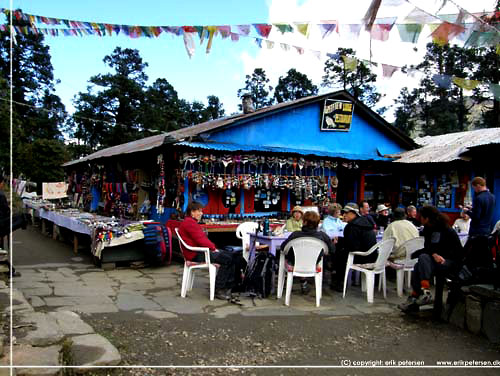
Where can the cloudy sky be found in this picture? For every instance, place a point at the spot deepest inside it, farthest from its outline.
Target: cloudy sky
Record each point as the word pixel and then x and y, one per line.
pixel 222 71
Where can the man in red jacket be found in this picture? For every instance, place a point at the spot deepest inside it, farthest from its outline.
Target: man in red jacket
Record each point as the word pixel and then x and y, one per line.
pixel 192 233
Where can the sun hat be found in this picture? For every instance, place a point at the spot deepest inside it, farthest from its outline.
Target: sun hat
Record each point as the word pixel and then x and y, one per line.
pixel 351 206
pixel 381 207
pixel 297 208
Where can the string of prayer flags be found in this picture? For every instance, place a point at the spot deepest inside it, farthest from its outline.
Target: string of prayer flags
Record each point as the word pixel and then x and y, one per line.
pixel 388 70
pixel 284 28
pixel 442 80
pixel 464 83
pixel 445 32
pixel 380 30
pixel 263 29
pixel 327 27
pixel 302 28
pixel 350 63
pixel 495 90
pixel 409 33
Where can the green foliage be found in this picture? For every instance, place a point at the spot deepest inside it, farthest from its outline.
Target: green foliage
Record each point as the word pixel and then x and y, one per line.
pixel 406 111
pixel 257 85
pixel 360 83
pixel 293 86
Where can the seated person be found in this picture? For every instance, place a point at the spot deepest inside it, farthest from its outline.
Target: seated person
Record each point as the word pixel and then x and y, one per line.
pixel 442 255
pixel 309 228
pixel 496 228
pixel 295 222
pixel 332 223
pixel 382 217
pixel 462 224
pixel 364 211
pixel 402 230
pixel 358 237
pixel 411 215
pixel 192 234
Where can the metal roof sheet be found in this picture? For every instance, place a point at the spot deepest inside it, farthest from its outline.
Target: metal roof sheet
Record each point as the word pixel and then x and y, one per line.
pixel 448 147
pixel 130 147
pixel 271 149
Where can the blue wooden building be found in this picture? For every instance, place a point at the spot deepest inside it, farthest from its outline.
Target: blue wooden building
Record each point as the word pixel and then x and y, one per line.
pixel 321 148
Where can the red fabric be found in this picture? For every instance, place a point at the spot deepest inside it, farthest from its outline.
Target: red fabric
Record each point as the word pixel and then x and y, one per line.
pixel 172 224
pixel 193 235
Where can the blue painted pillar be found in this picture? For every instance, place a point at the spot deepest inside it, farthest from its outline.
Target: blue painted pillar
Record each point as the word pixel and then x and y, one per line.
pixel 242 201
pixel 288 201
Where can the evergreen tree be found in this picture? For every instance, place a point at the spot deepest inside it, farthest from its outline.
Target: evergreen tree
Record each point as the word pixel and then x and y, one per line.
pixel 360 83
pixel 293 86
pixel 406 111
pixel 257 85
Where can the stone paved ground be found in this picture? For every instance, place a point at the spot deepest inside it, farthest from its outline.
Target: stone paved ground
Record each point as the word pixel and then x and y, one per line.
pixel 141 313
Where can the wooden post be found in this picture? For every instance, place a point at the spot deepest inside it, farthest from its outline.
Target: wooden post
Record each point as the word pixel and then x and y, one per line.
pixel 54 231
pixel 44 229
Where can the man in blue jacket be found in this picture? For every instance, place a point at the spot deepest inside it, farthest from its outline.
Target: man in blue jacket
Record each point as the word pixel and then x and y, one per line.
pixel 477 253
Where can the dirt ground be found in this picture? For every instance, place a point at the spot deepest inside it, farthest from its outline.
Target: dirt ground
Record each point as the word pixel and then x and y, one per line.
pixel 199 340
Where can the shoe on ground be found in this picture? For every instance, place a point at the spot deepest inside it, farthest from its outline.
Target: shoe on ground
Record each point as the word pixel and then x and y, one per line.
pixel 425 298
pixel 410 305
pixel 223 294
pixel 304 288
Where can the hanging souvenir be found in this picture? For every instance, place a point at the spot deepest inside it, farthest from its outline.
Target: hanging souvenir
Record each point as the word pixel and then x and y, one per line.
pixel 161 185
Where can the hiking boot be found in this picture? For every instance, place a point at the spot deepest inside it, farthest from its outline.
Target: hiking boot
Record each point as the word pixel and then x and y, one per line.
pixel 410 305
pixel 304 288
pixel 425 298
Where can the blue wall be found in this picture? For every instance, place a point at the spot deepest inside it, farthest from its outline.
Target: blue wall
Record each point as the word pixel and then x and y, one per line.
pixel 300 128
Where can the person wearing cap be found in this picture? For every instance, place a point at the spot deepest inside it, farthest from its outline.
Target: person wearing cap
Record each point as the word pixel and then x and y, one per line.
pixel 358 237
pixel 332 224
pixel 462 224
pixel 382 218
pixel 294 223
pixel 402 230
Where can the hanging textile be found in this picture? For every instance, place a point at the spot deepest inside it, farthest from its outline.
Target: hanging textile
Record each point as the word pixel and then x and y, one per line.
pixel 284 28
pixel 285 47
pixel 327 28
pixel 189 43
pixel 263 29
pixel 350 63
pixel 351 31
pixel 269 44
pixel 302 28
pixel 409 33
pixel 417 16
pixel 445 32
pixel 442 80
pixel 388 70
pixel 225 31
pixel 464 83
pixel 244 29
pixel 381 31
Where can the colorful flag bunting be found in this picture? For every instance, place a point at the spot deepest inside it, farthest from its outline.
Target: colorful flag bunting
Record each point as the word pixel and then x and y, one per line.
pixel 350 63
pixel 284 28
pixel 409 32
pixel 495 90
pixel 244 29
pixel 464 83
pixel 445 32
pixel 263 29
pixel 388 70
pixel 303 28
pixel 442 80
pixel 327 28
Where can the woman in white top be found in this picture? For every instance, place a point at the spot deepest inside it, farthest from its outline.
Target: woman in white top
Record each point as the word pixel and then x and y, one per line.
pixel 462 224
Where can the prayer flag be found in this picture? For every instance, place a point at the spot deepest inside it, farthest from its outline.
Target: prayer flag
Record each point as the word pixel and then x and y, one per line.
pixel 284 28
pixel 464 83
pixel 235 37
pixel 442 80
pixel 326 29
pixel 212 30
pixel 300 50
pixel 258 42
pixel 189 43
pixel 224 30
pixel 269 44
pixel 303 28
pixel 388 70
pixel 409 32
pixel 244 29
pixel 495 90
pixel 350 63
pixel 263 29
pixel 285 47
pixel 445 32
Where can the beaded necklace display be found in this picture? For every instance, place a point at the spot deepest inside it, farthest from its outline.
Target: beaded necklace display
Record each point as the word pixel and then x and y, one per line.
pixel 161 186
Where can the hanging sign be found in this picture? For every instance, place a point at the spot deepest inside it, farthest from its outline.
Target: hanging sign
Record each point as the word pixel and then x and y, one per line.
pixel 337 115
pixel 54 190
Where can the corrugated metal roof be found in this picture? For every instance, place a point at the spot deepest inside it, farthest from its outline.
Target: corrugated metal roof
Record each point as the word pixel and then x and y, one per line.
pixel 271 149
pixel 130 147
pixel 449 147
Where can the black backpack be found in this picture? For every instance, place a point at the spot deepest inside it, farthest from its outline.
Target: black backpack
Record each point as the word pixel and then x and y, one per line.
pixel 259 275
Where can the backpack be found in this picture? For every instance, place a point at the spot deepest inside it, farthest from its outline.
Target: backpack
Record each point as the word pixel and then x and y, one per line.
pixel 259 275
pixel 157 243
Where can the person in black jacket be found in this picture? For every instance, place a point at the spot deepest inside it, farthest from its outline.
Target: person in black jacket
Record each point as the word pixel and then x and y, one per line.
pixel 358 237
pixel 442 255
pixel 477 251
pixel 309 228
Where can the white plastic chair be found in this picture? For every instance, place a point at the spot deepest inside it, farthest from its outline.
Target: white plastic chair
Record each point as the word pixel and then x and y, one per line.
pixel 306 251
pixel 407 264
pixel 242 232
pixel 369 270
pixel 191 266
